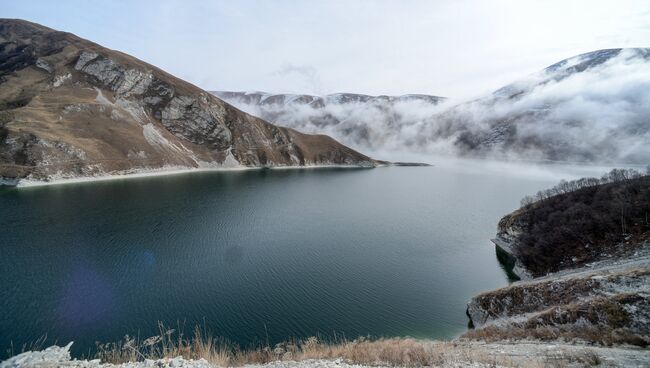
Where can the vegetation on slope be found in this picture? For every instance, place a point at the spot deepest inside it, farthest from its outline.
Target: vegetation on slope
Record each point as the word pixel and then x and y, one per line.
pixel 581 221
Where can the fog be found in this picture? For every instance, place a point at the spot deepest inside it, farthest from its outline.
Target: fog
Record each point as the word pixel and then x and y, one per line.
pixel 598 115
pixel 563 113
pixel 366 126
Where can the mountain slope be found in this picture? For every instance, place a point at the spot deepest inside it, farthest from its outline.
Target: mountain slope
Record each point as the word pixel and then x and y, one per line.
pixel 70 108
pixel 592 107
pixel 361 121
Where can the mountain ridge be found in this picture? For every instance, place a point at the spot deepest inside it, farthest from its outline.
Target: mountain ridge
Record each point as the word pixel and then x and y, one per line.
pixel 71 108
pixel 597 100
pixel 361 121
pixel 266 98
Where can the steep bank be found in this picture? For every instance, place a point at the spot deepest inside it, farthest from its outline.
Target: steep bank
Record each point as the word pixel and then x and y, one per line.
pixel 605 303
pixel 70 108
pixel 584 255
pixel 577 223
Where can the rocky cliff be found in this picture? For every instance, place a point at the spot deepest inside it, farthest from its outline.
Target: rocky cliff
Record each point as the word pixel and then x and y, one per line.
pixel 606 303
pixel 71 108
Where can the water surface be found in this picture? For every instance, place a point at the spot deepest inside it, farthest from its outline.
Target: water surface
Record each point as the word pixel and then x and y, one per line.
pixel 253 256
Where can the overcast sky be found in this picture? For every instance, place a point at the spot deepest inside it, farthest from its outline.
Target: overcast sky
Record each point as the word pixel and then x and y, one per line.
pixel 456 48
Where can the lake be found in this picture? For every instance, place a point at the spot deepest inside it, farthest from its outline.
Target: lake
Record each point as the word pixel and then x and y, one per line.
pixel 256 256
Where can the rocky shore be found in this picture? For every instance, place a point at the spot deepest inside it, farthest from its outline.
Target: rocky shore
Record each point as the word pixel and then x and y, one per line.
pixel 607 303
pixel 588 282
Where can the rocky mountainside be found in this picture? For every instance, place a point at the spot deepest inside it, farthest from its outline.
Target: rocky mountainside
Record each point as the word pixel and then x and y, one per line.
pixel 592 107
pixel 361 121
pixel 72 108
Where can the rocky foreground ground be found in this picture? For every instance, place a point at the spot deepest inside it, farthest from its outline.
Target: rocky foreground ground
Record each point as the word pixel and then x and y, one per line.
pixel 441 354
pixel 607 302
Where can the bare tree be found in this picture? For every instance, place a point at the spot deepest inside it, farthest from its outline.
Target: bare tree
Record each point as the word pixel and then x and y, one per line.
pixel 564 187
pixel 527 200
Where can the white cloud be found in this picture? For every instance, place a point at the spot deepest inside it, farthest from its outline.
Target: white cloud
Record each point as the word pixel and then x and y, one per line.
pixel 600 115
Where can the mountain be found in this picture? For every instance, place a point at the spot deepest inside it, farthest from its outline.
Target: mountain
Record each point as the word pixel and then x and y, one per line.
pixel 72 108
pixel 592 107
pixel 361 121
pixel 268 99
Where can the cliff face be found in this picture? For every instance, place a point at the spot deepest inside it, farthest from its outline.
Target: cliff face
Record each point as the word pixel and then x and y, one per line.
pixel 607 303
pixel 509 229
pixel 69 108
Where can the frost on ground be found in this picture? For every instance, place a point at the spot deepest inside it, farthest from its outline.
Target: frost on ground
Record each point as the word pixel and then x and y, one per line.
pixel 379 354
pixel 604 303
pixel 56 356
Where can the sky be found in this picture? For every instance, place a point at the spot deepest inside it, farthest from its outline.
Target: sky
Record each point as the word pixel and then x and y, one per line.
pixel 453 48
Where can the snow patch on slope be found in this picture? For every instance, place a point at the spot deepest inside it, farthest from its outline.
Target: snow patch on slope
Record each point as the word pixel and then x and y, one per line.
pixel 230 160
pixel 101 98
pixel 157 139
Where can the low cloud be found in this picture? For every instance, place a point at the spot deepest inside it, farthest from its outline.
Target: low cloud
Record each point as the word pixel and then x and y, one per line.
pixel 601 114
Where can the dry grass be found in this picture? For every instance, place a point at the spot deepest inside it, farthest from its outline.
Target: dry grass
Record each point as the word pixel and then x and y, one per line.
pixel 597 335
pixel 394 352
pixel 602 321
pixel 168 343
pixel 36 345
pixel 404 352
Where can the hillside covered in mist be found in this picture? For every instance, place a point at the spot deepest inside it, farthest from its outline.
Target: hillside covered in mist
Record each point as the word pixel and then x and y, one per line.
pixel 594 107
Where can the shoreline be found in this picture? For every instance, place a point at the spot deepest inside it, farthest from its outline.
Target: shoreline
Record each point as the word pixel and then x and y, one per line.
pixel 25 183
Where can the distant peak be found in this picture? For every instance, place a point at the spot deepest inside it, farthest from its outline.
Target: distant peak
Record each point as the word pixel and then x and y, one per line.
pixel 333 97
pixel 589 59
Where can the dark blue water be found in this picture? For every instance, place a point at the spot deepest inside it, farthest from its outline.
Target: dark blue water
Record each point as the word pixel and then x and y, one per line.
pixel 252 256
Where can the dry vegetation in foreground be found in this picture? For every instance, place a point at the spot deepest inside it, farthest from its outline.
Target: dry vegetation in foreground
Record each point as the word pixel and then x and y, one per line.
pixel 406 352
pixel 574 333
